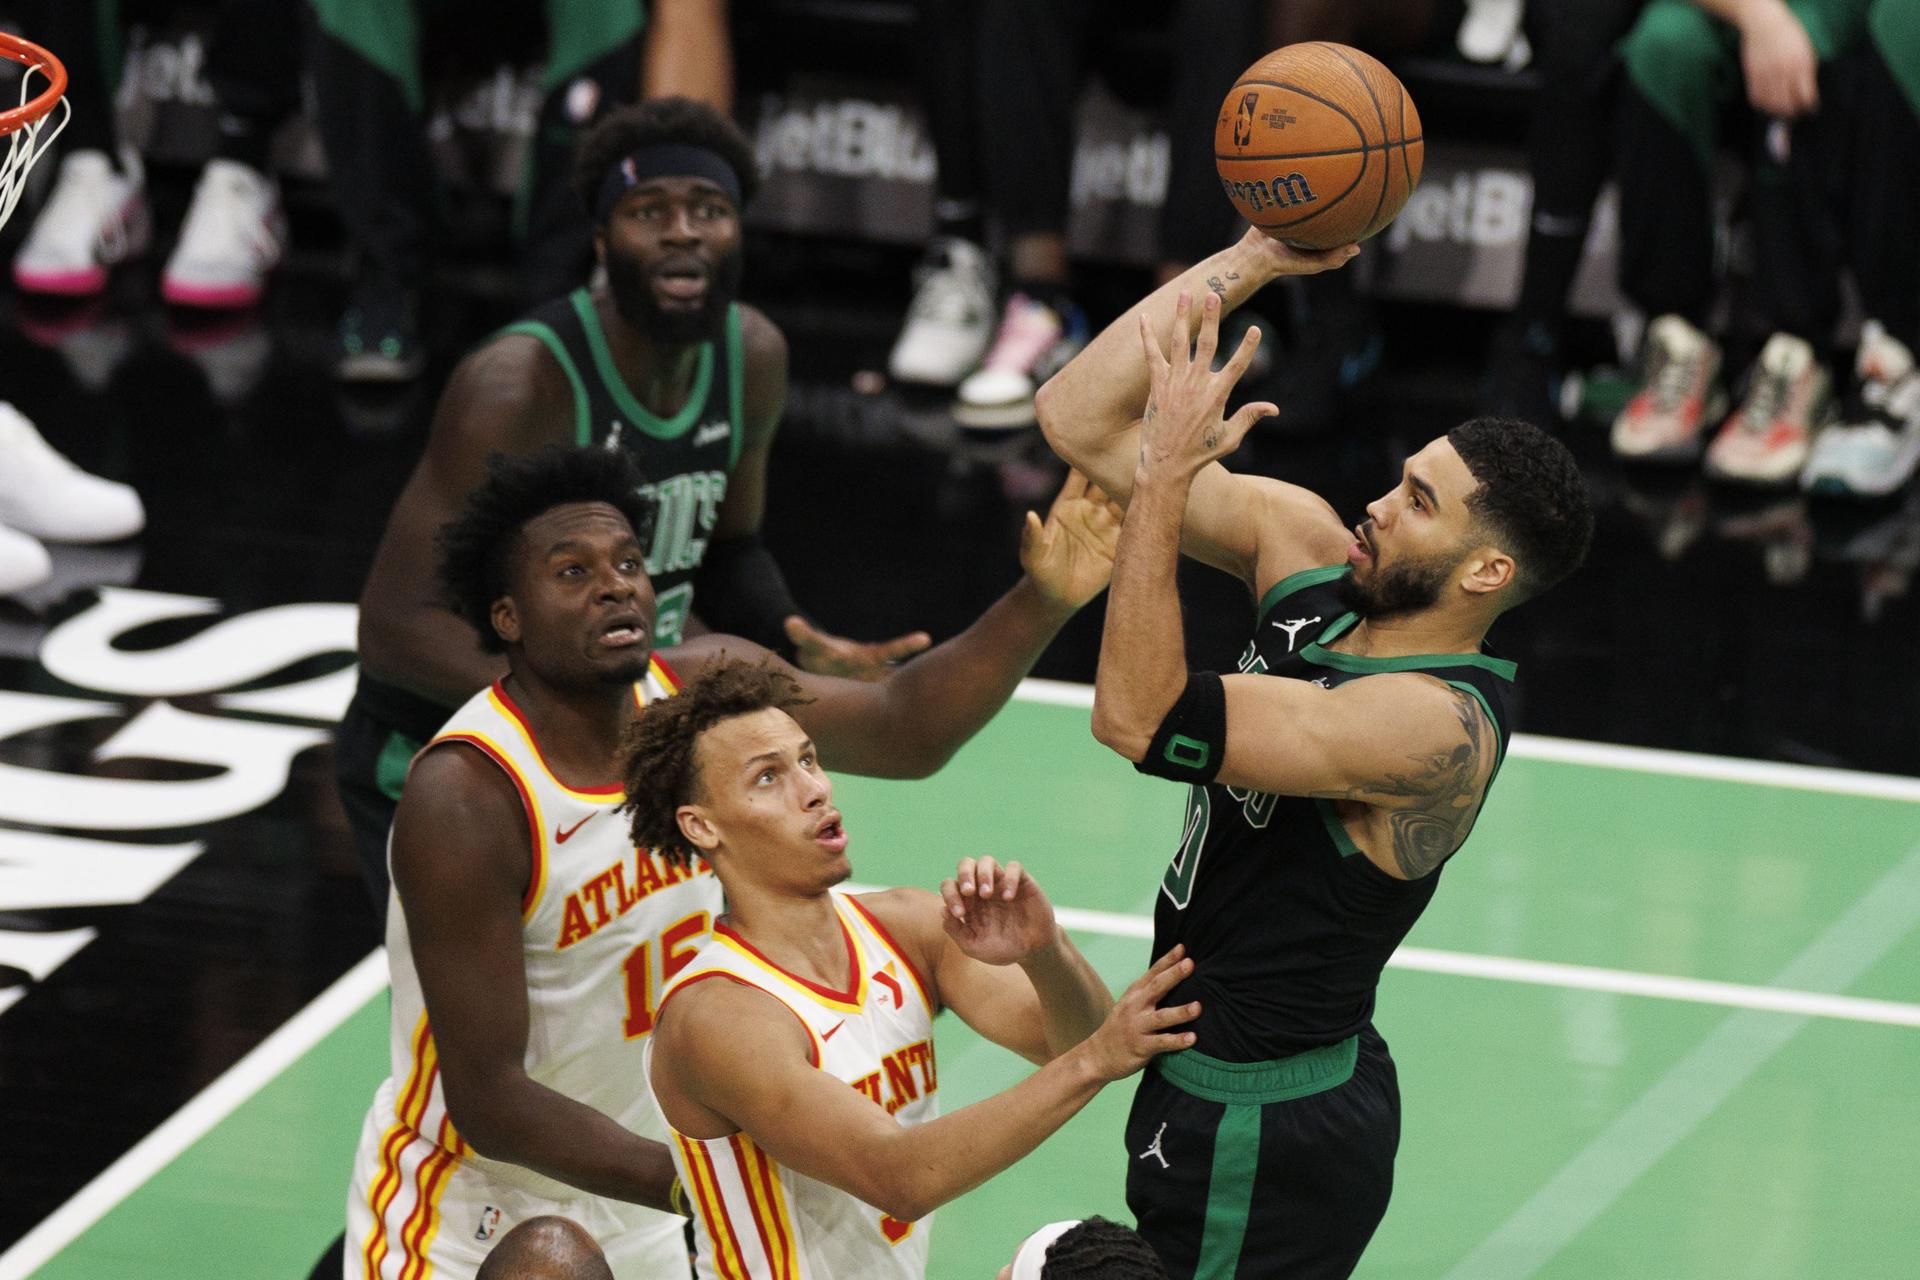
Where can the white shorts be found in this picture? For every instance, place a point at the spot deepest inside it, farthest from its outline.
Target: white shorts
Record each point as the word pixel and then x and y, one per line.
pixel 414 1211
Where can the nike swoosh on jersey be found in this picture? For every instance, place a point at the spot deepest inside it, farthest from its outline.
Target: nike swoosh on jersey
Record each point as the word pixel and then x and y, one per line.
pixel 561 837
pixel 830 1030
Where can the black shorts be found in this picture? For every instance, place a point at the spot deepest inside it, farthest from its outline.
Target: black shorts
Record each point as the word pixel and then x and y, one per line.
pixel 378 737
pixel 1264 1169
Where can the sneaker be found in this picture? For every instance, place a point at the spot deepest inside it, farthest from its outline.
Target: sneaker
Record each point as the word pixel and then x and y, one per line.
pixel 234 235
pixel 95 219
pixel 1032 344
pixel 1489 30
pixel 43 494
pixel 1665 419
pixel 380 337
pixel 950 320
pixel 1767 439
pixel 1875 449
pixel 24 563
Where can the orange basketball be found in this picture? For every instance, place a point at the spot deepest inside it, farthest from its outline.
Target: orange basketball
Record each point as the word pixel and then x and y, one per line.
pixel 1318 145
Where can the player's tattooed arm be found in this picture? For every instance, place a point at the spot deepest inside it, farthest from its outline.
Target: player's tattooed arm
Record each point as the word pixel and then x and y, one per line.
pixel 1447 786
pixel 1414 751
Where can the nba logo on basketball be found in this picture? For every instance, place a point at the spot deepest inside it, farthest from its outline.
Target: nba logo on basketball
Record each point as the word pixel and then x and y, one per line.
pixel 489 1223
pixel 1243 120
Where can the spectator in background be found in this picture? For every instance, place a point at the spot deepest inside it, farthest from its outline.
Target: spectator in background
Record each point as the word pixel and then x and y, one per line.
pixel 1686 63
pixel 96 216
pixel 1092 1249
pixel 1876 446
pixel 1569 154
pixel 369 77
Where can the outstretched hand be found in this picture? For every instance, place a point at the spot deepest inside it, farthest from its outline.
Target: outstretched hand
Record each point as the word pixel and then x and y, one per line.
pixel 1137 1029
pixel 995 913
pixel 825 654
pixel 1182 430
pixel 1069 555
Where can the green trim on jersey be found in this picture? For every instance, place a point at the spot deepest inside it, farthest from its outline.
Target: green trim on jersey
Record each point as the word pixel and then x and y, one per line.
pixel 1500 748
pixel 736 386
pixel 1239 1084
pixel 1318 653
pixel 660 429
pixel 1296 582
pixel 582 426
pixel 1336 829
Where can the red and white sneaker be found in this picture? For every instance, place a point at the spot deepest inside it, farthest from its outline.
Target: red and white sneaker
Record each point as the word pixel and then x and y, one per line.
pixel 233 237
pixel 1667 418
pixel 95 219
pixel 1789 400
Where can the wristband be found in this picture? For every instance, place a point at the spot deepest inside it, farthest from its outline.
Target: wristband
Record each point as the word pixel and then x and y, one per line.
pixel 677 1197
pixel 1192 739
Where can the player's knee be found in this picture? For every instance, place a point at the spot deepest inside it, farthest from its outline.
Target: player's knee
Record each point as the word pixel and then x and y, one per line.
pixel 1673 43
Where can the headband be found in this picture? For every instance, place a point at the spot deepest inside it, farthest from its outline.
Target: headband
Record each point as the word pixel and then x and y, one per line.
pixel 1030 1259
pixel 665 160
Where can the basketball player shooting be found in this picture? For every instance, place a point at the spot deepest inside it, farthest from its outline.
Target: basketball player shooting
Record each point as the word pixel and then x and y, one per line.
pixel 1330 778
pixel 790 1171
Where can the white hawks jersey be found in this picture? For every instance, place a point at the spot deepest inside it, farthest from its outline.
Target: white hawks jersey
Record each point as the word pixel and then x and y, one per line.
pixel 759 1221
pixel 605 926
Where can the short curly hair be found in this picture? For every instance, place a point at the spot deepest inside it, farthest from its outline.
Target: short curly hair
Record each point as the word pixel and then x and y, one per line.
pixel 661 770
pixel 1531 497
pixel 1100 1249
pixel 685 120
pixel 477 547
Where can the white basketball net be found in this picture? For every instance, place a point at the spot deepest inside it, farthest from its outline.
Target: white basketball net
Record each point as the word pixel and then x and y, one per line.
pixel 25 145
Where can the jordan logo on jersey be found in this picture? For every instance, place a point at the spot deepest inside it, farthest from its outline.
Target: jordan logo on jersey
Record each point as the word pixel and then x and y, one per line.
pixel 1155 1150
pixel 1292 627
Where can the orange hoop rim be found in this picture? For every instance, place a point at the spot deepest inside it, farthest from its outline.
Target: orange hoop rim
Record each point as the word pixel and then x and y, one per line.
pixel 35 58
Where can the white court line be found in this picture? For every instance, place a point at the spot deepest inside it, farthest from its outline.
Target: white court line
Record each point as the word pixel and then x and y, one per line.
pixel 366 979
pixel 1602 755
pixel 1692 1089
pixel 209 1107
pixel 1577 977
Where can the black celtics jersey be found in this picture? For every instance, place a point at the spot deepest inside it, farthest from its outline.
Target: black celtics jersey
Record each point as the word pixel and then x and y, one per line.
pixel 686 459
pixel 1288 923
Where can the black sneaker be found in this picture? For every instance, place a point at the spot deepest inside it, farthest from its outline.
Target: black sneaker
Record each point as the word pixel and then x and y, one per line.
pixel 380 337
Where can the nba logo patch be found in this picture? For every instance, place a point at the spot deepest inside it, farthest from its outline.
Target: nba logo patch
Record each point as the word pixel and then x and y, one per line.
pixel 489 1223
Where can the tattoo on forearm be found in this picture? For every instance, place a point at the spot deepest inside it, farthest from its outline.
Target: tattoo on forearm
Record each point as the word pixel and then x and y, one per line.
pixel 1214 283
pixel 1448 786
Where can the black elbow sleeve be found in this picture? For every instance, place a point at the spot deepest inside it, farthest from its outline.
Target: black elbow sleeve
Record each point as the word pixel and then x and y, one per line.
pixel 1192 739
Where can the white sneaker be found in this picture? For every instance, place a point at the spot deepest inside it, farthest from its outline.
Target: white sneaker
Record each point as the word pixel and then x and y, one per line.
pixel 43 494
pixel 1679 398
pixel 950 320
pixel 1767 440
pixel 1031 345
pixel 1876 449
pixel 95 219
pixel 1489 30
pixel 24 563
pixel 234 235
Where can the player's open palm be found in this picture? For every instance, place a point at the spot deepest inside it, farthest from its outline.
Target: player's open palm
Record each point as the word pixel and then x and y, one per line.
pixel 996 913
pixel 1137 1029
pixel 1182 429
pixel 1069 555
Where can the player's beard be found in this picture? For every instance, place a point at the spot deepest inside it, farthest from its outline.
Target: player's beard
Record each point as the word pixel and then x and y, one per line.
pixel 1404 587
pixel 634 299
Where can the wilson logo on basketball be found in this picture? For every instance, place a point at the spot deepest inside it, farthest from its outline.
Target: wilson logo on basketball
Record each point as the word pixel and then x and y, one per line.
pixel 1282 191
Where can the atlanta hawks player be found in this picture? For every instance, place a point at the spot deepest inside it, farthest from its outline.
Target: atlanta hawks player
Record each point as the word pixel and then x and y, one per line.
pixel 534 937
pixel 792 1174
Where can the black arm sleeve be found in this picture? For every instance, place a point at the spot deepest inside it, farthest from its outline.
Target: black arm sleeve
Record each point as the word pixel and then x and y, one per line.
pixel 1192 740
pixel 739 590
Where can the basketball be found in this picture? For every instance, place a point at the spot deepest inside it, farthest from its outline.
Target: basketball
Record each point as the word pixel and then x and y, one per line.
pixel 1318 145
